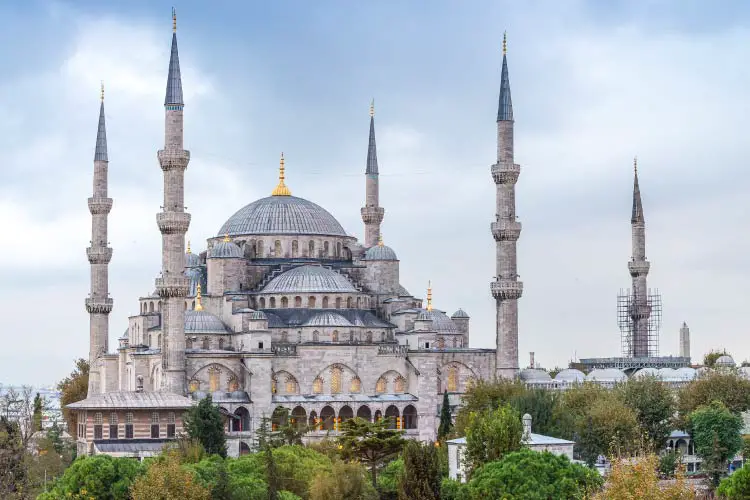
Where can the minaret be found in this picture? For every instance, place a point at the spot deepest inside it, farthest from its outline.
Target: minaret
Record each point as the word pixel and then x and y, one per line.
pixel 639 311
pixel 173 223
pixel 506 289
pixel 372 212
pixel 99 304
pixel 684 340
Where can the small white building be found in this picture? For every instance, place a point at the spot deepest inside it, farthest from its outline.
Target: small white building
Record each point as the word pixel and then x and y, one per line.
pixel 535 442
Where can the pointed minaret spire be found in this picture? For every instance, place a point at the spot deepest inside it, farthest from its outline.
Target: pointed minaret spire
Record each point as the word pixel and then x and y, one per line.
pixel 505 107
pixel 637 216
pixel 372 213
pixel 174 80
pixel 98 303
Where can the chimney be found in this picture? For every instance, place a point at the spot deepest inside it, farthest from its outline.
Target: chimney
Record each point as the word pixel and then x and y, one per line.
pixel 139 384
pixel 531 359
pixel 526 426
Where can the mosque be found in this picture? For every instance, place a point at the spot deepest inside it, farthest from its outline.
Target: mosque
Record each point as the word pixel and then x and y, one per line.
pixel 283 308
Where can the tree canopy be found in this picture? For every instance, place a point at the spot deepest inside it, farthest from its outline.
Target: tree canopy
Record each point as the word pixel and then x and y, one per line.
pixel 372 443
pixel 491 434
pixel 716 433
pixel 101 477
pixel 165 479
pixel 204 423
pixel 637 478
pixel 74 388
pixel 653 404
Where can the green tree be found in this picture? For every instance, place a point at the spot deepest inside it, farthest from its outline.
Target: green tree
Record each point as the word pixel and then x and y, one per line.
pixel 491 434
pixel 36 424
pixel 710 358
pixel 653 404
pixel 165 479
pixel 74 388
pixel 389 479
pixel 736 486
pixel 609 427
pixel 346 481
pixel 373 444
pixel 636 477
pixel 728 387
pixel 668 463
pixel 446 419
pixel 13 471
pixel 542 405
pixel 484 395
pixel 101 477
pixel 421 479
pixel 204 423
pixel 716 433
pixel 531 475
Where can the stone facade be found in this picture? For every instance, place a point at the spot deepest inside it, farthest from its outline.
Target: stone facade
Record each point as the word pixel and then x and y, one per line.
pixel 284 309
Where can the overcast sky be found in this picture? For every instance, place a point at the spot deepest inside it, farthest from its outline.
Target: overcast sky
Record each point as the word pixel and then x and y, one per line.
pixel 593 84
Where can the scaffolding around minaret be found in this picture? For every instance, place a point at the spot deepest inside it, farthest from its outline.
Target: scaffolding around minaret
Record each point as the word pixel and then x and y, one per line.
pixel 639 333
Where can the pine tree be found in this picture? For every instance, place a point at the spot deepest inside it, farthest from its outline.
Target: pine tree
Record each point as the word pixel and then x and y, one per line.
pixel 421 480
pixel 265 445
pixel 204 423
pixel 374 444
pixel 37 417
pixel 446 422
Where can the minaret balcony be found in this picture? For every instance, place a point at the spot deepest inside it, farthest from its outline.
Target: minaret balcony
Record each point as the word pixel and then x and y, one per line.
pixel 505 289
pixel 172 286
pixel 99 306
pixel 506 173
pixel 98 206
pixel 173 222
pixel 638 267
pixel 639 311
pixel 372 215
pixel 99 255
pixel 171 159
pixel 506 230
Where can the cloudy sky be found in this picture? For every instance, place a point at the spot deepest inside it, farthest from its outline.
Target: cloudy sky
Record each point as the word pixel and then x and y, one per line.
pixel 592 87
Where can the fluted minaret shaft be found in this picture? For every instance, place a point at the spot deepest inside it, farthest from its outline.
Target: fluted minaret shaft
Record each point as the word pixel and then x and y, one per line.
pixel 372 212
pixel 98 303
pixel 173 223
pixel 640 310
pixel 506 289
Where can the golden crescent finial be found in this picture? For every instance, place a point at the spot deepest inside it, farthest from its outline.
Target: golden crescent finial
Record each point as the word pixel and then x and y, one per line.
pixel 372 108
pixel 505 42
pixel 281 189
pixel 380 240
pixel 188 248
pixel 198 305
pixel 226 238
pixel 102 91
pixel 174 20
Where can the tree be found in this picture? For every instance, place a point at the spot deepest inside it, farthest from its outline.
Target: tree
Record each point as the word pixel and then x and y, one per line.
pixel 531 475
pixel 485 395
pixel 736 486
pixel 101 477
pixel 668 463
pixel 167 480
pixel 390 478
pixel 37 415
pixel 446 420
pixel 13 472
pixel 203 422
pixel 609 427
pixel 491 434
pixel 710 358
pixel 728 387
pixel 716 433
pixel 347 481
pixel 653 404
pixel 637 478
pixel 265 447
pixel 373 444
pixel 542 405
pixel 421 479
pixel 74 388
pixel 20 404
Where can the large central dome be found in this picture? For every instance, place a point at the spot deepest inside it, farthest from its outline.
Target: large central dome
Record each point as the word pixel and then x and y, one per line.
pixel 282 215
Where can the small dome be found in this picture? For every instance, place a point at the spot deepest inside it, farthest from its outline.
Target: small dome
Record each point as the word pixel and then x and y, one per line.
pixel 258 315
pixel 460 314
pixel 606 375
pixel 309 279
pixel 668 374
pixel 192 260
pixel 424 316
pixel 570 375
pixel 647 372
pixel 225 250
pixel 380 252
pixel 535 375
pixel 725 361
pixel 203 322
pixel 686 373
pixel 745 371
pixel 441 323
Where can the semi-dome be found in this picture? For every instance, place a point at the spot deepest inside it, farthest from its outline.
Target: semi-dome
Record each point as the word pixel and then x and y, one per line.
pixel 328 318
pixel 203 322
pixel 570 375
pixel 460 314
pixel 258 315
pixel 380 252
pixel 192 259
pixel 606 375
pixel 282 215
pixel 724 361
pixel 309 279
pixel 534 375
pixel 225 250
pixel 441 323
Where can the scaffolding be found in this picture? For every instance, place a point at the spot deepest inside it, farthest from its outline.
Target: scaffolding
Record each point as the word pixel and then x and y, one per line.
pixel 639 322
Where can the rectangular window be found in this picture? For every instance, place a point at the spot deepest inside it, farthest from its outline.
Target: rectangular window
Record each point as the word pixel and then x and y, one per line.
pixel 128 431
pixel 97 431
pixel 154 431
pixel 170 430
pixel 113 432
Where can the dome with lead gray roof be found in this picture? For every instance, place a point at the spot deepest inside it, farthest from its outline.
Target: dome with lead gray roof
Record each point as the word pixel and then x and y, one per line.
pixel 203 322
pixel 380 252
pixel 282 215
pixel 327 318
pixel 225 250
pixel 309 279
pixel 570 375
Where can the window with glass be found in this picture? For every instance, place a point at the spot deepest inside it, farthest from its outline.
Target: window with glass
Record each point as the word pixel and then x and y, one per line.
pixel 98 425
pixel 128 426
pixel 113 428
pixel 171 425
pixel 155 425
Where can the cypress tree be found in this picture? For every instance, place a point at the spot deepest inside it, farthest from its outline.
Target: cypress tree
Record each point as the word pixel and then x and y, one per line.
pixel 446 423
pixel 204 423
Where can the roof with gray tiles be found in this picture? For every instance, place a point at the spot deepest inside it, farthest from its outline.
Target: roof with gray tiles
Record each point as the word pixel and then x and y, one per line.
pixel 380 252
pixel 225 250
pixel 460 314
pixel 282 215
pixel 173 96
pixel 130 445
pixel 192 259
pixel 203 322
pixel 309 279
pixel 505 106
pixel 132 400
pixel 100 151
pixel 283 318
pixel 372 151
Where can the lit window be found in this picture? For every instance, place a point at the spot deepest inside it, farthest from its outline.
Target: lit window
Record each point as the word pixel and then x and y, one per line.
pixel 291 385
pixel 356 385
pixel 400 384
pixel 380 386
pixel 335 380
pixel 452 379
pixel 318 385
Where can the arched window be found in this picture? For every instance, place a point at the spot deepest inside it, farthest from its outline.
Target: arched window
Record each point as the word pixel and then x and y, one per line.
pixel 272 302
pixel 158 306
pixel 394 419
pixel 325 302
pixel 313 420
pixel 273 385
pixel 149 341
pixel 233 384
pixel 356 385
pixel 284 337
pixel 206 343
pixel 299 418
pixel 214 375
pixel 295 248
pixel 380 387
pixel 291 385
pixel 316 336
pixel 358 302
pixel 284 302
pixel 338 302
pixel 298 301
pixel 318 385
pixel 369 337
pixel 194 385
pixel 192 307
pixel 335 336
pixel 328 417
pixel 338 249
pixel 311 249
pixel 335 380
pixel 400 384
pixel 441 343
pixel 188 343
pixel 345 413
pixel 221 344
pixel 262 303
pixel 365 413
pixel 311 302
pixel 452 379
pixel 325 249
pixel 151 307
pixel 277 248
pixel 185 306
pixel 349 302
pixel 259 249
pixel 410 417
pixel 158 339
pixel 455 342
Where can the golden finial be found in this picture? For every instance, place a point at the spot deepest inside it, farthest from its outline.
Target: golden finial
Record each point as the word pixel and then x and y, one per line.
pixel 429 296
pixel 188 248
pixel 281 189
pixel 198 305
pixel 102 91
pixel 174 20
pixel 372 108
pixel 226 238
pixel 505 42
pixel 380 240
pixel 635 165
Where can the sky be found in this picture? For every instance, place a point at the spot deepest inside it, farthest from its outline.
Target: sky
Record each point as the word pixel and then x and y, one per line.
pixel 593 84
